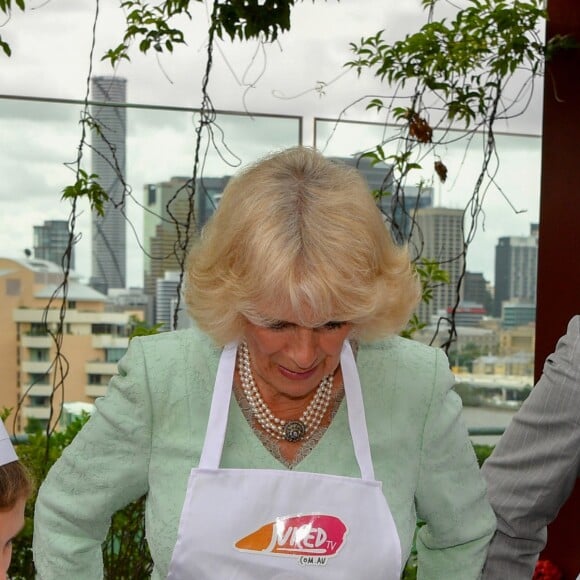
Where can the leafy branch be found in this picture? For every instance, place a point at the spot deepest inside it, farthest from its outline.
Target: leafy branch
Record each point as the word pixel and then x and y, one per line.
pixel 242 19
pixel 87 186
pixel 462 61
pixel 458 69
pixel 430 276
pixel 6 7
pixel 149 25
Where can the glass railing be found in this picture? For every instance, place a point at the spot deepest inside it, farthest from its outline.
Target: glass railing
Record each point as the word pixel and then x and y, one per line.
pixel 39 156
pixel 509 196
pixel 39 142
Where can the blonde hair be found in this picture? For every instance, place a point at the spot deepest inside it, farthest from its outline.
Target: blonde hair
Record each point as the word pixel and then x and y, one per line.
pixel 15 484
pixel 298 232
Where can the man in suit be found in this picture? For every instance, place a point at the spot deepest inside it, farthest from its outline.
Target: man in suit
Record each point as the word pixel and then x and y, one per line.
pixel 536 463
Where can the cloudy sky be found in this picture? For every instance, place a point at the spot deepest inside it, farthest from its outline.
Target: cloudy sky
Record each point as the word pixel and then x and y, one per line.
pixel 51 45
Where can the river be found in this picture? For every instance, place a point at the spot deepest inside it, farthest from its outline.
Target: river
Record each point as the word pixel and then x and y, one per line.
pixel 486 417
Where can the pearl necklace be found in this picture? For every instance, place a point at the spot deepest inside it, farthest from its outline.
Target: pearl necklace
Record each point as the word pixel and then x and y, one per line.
pixel 291 431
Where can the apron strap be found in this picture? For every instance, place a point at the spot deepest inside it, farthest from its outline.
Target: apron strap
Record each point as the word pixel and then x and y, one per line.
pixel 356 413
pixel 220 405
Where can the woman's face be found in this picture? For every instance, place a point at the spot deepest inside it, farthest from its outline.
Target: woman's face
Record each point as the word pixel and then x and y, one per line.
pixel 290 360
pixel 11 522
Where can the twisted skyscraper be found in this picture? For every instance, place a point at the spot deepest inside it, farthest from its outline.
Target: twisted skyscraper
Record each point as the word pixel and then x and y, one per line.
pixel 109 262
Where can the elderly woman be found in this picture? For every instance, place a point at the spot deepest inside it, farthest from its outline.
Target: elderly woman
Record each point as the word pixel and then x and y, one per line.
pixel 290 434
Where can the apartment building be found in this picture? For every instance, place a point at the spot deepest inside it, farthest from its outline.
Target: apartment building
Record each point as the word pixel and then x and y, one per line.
pixel 438 236
pixel 94 339
pixel 51 240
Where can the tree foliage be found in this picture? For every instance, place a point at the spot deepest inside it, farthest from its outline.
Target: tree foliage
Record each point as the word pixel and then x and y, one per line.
pixel 125 551
pixel 151 25
pixel 455 71
pixel 6 6
pixel 463 62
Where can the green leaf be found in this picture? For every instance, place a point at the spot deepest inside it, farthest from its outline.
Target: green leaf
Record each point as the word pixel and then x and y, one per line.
pixel 87 186
pixel 5 47
pixel 144 45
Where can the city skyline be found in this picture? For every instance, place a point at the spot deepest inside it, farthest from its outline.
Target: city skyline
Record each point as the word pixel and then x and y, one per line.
pixel 167 189
pixel 279 78
pixel 158 147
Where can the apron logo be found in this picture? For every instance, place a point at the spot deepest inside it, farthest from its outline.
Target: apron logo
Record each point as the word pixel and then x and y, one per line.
pixel 312 537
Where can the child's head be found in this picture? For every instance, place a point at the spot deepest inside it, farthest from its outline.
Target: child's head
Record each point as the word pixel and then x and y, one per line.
pixel 15 489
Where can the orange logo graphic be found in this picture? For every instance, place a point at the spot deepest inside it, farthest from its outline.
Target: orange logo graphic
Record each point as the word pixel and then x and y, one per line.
pixel 301 535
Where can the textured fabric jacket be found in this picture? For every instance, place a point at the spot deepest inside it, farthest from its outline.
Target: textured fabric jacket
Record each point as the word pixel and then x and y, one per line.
pixel 533 469
pixel 147 433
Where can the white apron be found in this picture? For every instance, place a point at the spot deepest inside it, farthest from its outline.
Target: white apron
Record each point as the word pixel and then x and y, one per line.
pixel 269 524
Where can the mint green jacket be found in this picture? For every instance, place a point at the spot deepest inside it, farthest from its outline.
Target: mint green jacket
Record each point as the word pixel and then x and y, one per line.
pixel 147 432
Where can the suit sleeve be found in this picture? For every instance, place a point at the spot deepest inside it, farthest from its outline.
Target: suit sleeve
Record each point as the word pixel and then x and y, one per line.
pixel 532 471
pixel 101 471
pixel 450 496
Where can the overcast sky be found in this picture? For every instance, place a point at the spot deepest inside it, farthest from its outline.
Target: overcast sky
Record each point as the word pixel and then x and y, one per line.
pixel 51 44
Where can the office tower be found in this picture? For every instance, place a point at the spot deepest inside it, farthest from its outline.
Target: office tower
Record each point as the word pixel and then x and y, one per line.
pixel 379 179
pixel 404 203
pixel 51 241
pixel 207 196
pixel 475 289
pixel 438 235
pixel 166 303
pixel 397 204
pixel 516 263
pixel 164 241
pixel 108 162
pixel 164 204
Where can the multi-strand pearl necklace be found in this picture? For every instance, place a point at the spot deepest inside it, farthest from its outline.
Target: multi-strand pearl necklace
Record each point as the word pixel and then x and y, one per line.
pixel 291 431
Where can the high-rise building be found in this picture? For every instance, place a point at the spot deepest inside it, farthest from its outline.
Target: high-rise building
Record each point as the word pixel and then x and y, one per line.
pixel 165 203
pixel 207 196
pixel 397 204
pixel 165 240
pixel 476 289
pixel 516 264
pixel 166 303
pixel 438 236
pixel 379 178
pixel 109 262
pixel 51 241
pixel 404 203
pixel 94 340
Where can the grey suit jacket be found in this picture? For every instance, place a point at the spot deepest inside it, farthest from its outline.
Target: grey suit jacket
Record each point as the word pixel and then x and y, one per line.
pixel 534 467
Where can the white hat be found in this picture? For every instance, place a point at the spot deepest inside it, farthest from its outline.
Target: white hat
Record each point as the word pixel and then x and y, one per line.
pixel 7 453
